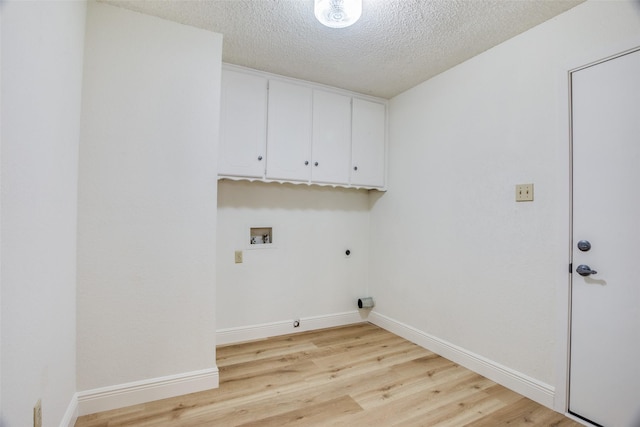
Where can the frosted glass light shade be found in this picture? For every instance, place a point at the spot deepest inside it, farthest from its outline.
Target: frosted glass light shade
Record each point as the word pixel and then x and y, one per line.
pixel 338 13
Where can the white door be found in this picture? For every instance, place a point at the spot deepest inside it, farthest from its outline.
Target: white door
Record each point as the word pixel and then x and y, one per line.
pixel 331 149
pixel 243 125
pixel 368 143
pixel 604 385
pixel 289 131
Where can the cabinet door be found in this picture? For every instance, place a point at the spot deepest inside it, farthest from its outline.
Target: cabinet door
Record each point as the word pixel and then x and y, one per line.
pixel 289 131
pixel 368 144
pixel 331 149
pixel 243 125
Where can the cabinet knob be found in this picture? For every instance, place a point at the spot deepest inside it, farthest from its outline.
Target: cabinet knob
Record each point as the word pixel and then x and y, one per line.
pixel 259 158
pixel 306 162
pixel 315 164
pixel 355 168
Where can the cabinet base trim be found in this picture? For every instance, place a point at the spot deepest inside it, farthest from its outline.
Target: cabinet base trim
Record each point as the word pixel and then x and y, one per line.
pixel 320 184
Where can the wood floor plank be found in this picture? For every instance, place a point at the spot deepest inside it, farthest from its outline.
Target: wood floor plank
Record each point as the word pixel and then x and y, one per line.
pixel 255 352
pixel 401 411
pixel 466 408
pixel 310 414
pixel 523 412
pixel 421 387
pixel 356 375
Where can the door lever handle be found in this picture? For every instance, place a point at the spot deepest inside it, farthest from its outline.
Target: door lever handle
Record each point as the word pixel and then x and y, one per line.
pixel 585 270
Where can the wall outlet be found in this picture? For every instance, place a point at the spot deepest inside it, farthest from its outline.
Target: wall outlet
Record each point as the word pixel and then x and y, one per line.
pixel 238 257
pixel 37 414
pixel 524 193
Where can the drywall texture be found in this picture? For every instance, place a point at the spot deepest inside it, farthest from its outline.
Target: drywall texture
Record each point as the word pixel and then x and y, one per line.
pixel 42 49
pixel 454 255
pixel 147 198
pixel 305 273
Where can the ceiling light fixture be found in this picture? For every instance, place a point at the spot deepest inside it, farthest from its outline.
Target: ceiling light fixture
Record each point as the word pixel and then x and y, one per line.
pixel 338 13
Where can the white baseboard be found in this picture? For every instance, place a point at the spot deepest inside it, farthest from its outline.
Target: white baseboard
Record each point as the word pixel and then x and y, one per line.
pixel 113 397
pixel 119 396
pixel 516 381
pixel 71 415
pixel 266 330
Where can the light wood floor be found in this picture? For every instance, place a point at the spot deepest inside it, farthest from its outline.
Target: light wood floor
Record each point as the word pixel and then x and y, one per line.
pixel 357 375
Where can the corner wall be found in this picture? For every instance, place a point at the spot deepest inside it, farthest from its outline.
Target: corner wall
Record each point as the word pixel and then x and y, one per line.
pixel 456 258
pixel 147 209
pixel 42 53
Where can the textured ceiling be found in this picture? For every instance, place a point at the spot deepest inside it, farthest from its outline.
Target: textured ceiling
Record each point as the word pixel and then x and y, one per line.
pixel 395 45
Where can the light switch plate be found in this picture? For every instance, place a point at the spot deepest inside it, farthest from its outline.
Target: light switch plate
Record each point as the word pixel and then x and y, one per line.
pixel 238 257
pixel 524 193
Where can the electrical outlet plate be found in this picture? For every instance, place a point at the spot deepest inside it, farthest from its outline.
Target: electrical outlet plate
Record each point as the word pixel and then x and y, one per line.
pixel 238 257
pixel 37 414
pixel 524 193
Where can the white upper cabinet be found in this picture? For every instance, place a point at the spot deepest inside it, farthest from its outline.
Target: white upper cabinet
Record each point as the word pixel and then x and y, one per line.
pixel 289 131
pixel 368 144
pixel 278 129
pixel 331 148
pixel 243 125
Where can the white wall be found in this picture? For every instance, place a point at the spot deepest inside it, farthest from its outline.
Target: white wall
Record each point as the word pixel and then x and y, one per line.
pixel 42 51
pixel 307 273
pixel 147 199
pixel 455 256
